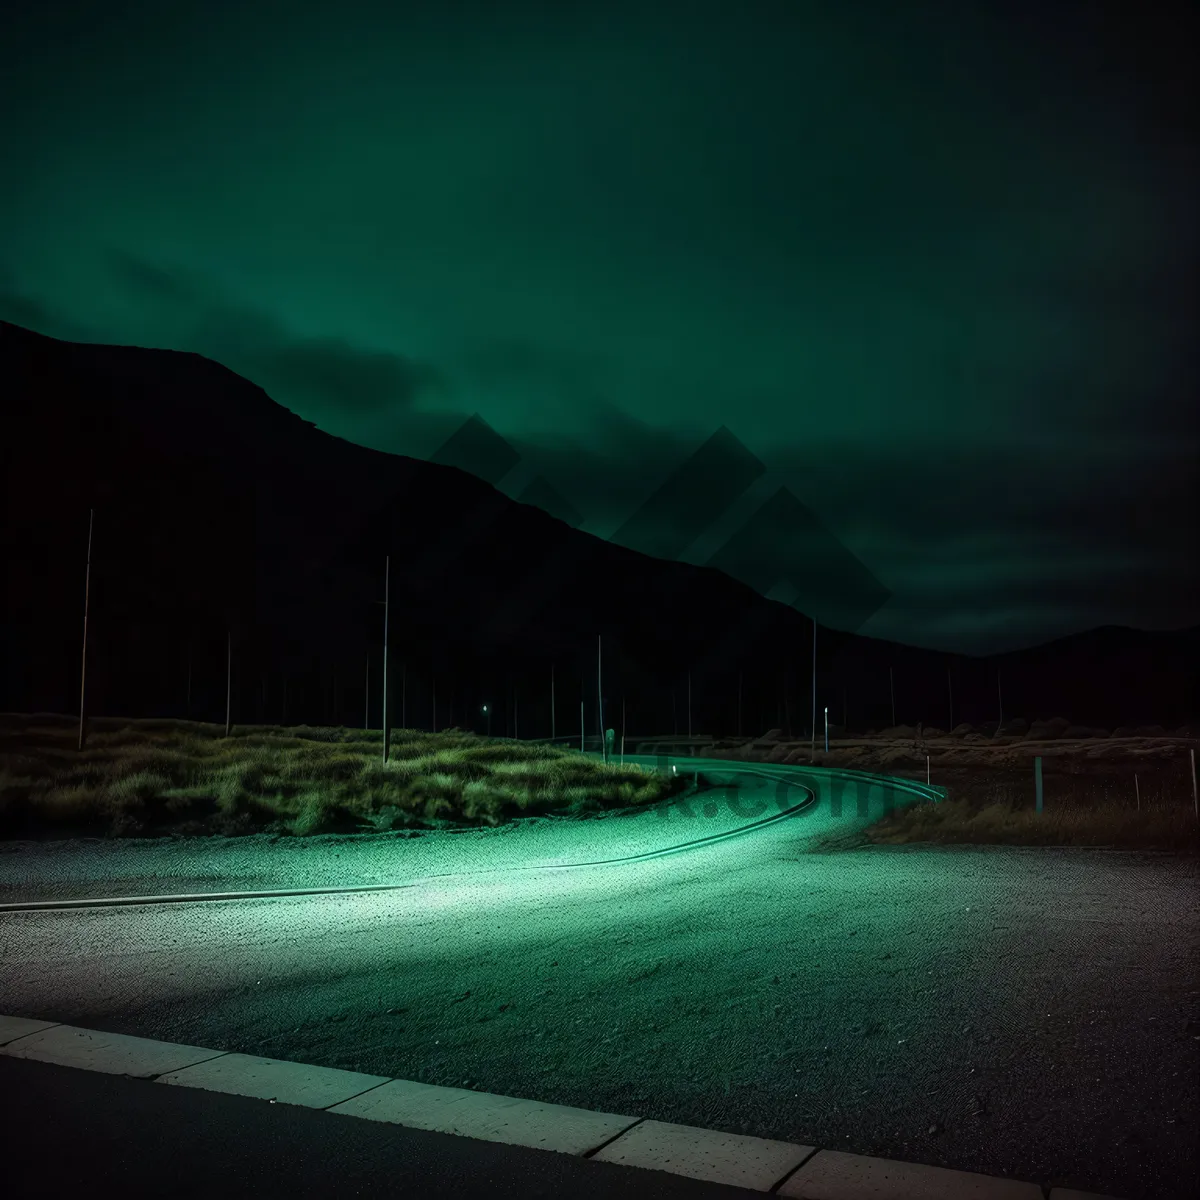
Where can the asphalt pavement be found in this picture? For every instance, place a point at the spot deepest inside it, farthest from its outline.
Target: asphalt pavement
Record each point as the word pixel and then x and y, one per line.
pixel 69 1131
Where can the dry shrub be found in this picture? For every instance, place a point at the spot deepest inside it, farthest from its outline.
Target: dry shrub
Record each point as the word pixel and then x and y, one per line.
pixel 305 779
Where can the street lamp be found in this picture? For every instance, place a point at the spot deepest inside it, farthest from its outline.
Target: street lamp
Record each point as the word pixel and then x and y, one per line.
pixel 488 711
pixel 827 729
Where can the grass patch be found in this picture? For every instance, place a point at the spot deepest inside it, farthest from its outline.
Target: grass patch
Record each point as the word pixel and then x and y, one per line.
pixel 1083 813
pixel 146 778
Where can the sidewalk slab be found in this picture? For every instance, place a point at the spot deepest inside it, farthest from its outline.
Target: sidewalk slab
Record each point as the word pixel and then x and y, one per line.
pixel 835 1175
pixel 12 1028
pixel 274 1079
pixel 1059 1193
pixel 731 1158
pixel 486 1116
pixel 113 1053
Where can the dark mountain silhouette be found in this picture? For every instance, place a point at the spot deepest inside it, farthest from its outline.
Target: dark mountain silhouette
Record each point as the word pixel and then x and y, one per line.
pixel 219 512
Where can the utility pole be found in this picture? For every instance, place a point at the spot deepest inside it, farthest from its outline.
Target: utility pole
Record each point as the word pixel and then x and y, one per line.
pixel 812 749
pixel 228 678
pixel 387 595
pixel 600 695
pixel 87 588
pixel 1195 801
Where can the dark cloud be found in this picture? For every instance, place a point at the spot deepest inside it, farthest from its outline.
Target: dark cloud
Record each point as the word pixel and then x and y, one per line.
pixel 324 371
pixel 933 264
pixel 19 307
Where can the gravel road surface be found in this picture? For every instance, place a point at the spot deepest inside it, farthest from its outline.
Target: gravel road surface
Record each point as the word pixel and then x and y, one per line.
pixel 1024 1012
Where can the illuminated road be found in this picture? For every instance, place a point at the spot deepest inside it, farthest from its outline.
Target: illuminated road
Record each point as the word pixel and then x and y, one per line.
pixel 1030 1007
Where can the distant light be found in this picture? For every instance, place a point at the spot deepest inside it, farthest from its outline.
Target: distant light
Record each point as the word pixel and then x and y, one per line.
pixel 485 708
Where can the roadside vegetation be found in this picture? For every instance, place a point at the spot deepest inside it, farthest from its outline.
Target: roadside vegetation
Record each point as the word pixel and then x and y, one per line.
pixel 1127 788
pixel 1077 812
pixel 140 778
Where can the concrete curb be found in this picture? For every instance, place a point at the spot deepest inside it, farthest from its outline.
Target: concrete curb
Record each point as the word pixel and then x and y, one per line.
pixel 834 1175
pixel 760 1164
pixel 735 1159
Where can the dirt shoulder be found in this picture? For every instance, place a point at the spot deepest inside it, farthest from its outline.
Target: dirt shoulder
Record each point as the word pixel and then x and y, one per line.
pixel 1125 792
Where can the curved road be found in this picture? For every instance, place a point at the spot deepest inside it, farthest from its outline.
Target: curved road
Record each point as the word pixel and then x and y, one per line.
pixel 747 790
pixel 991 1010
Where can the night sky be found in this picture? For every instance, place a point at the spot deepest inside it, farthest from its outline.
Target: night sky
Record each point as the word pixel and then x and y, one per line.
pixel 932 263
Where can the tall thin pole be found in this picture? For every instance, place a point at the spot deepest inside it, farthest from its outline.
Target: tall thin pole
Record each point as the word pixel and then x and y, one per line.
pixel 1195 802
pixel 600 695
pixel 812 749
pixel 950 689
pixel 387 596
pixel 739 704
pixel 892 686
pixel 228 677
pixel 87 588
pixel 552 730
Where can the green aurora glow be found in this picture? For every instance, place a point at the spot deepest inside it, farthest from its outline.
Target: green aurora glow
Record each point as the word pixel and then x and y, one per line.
pixel 930 263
